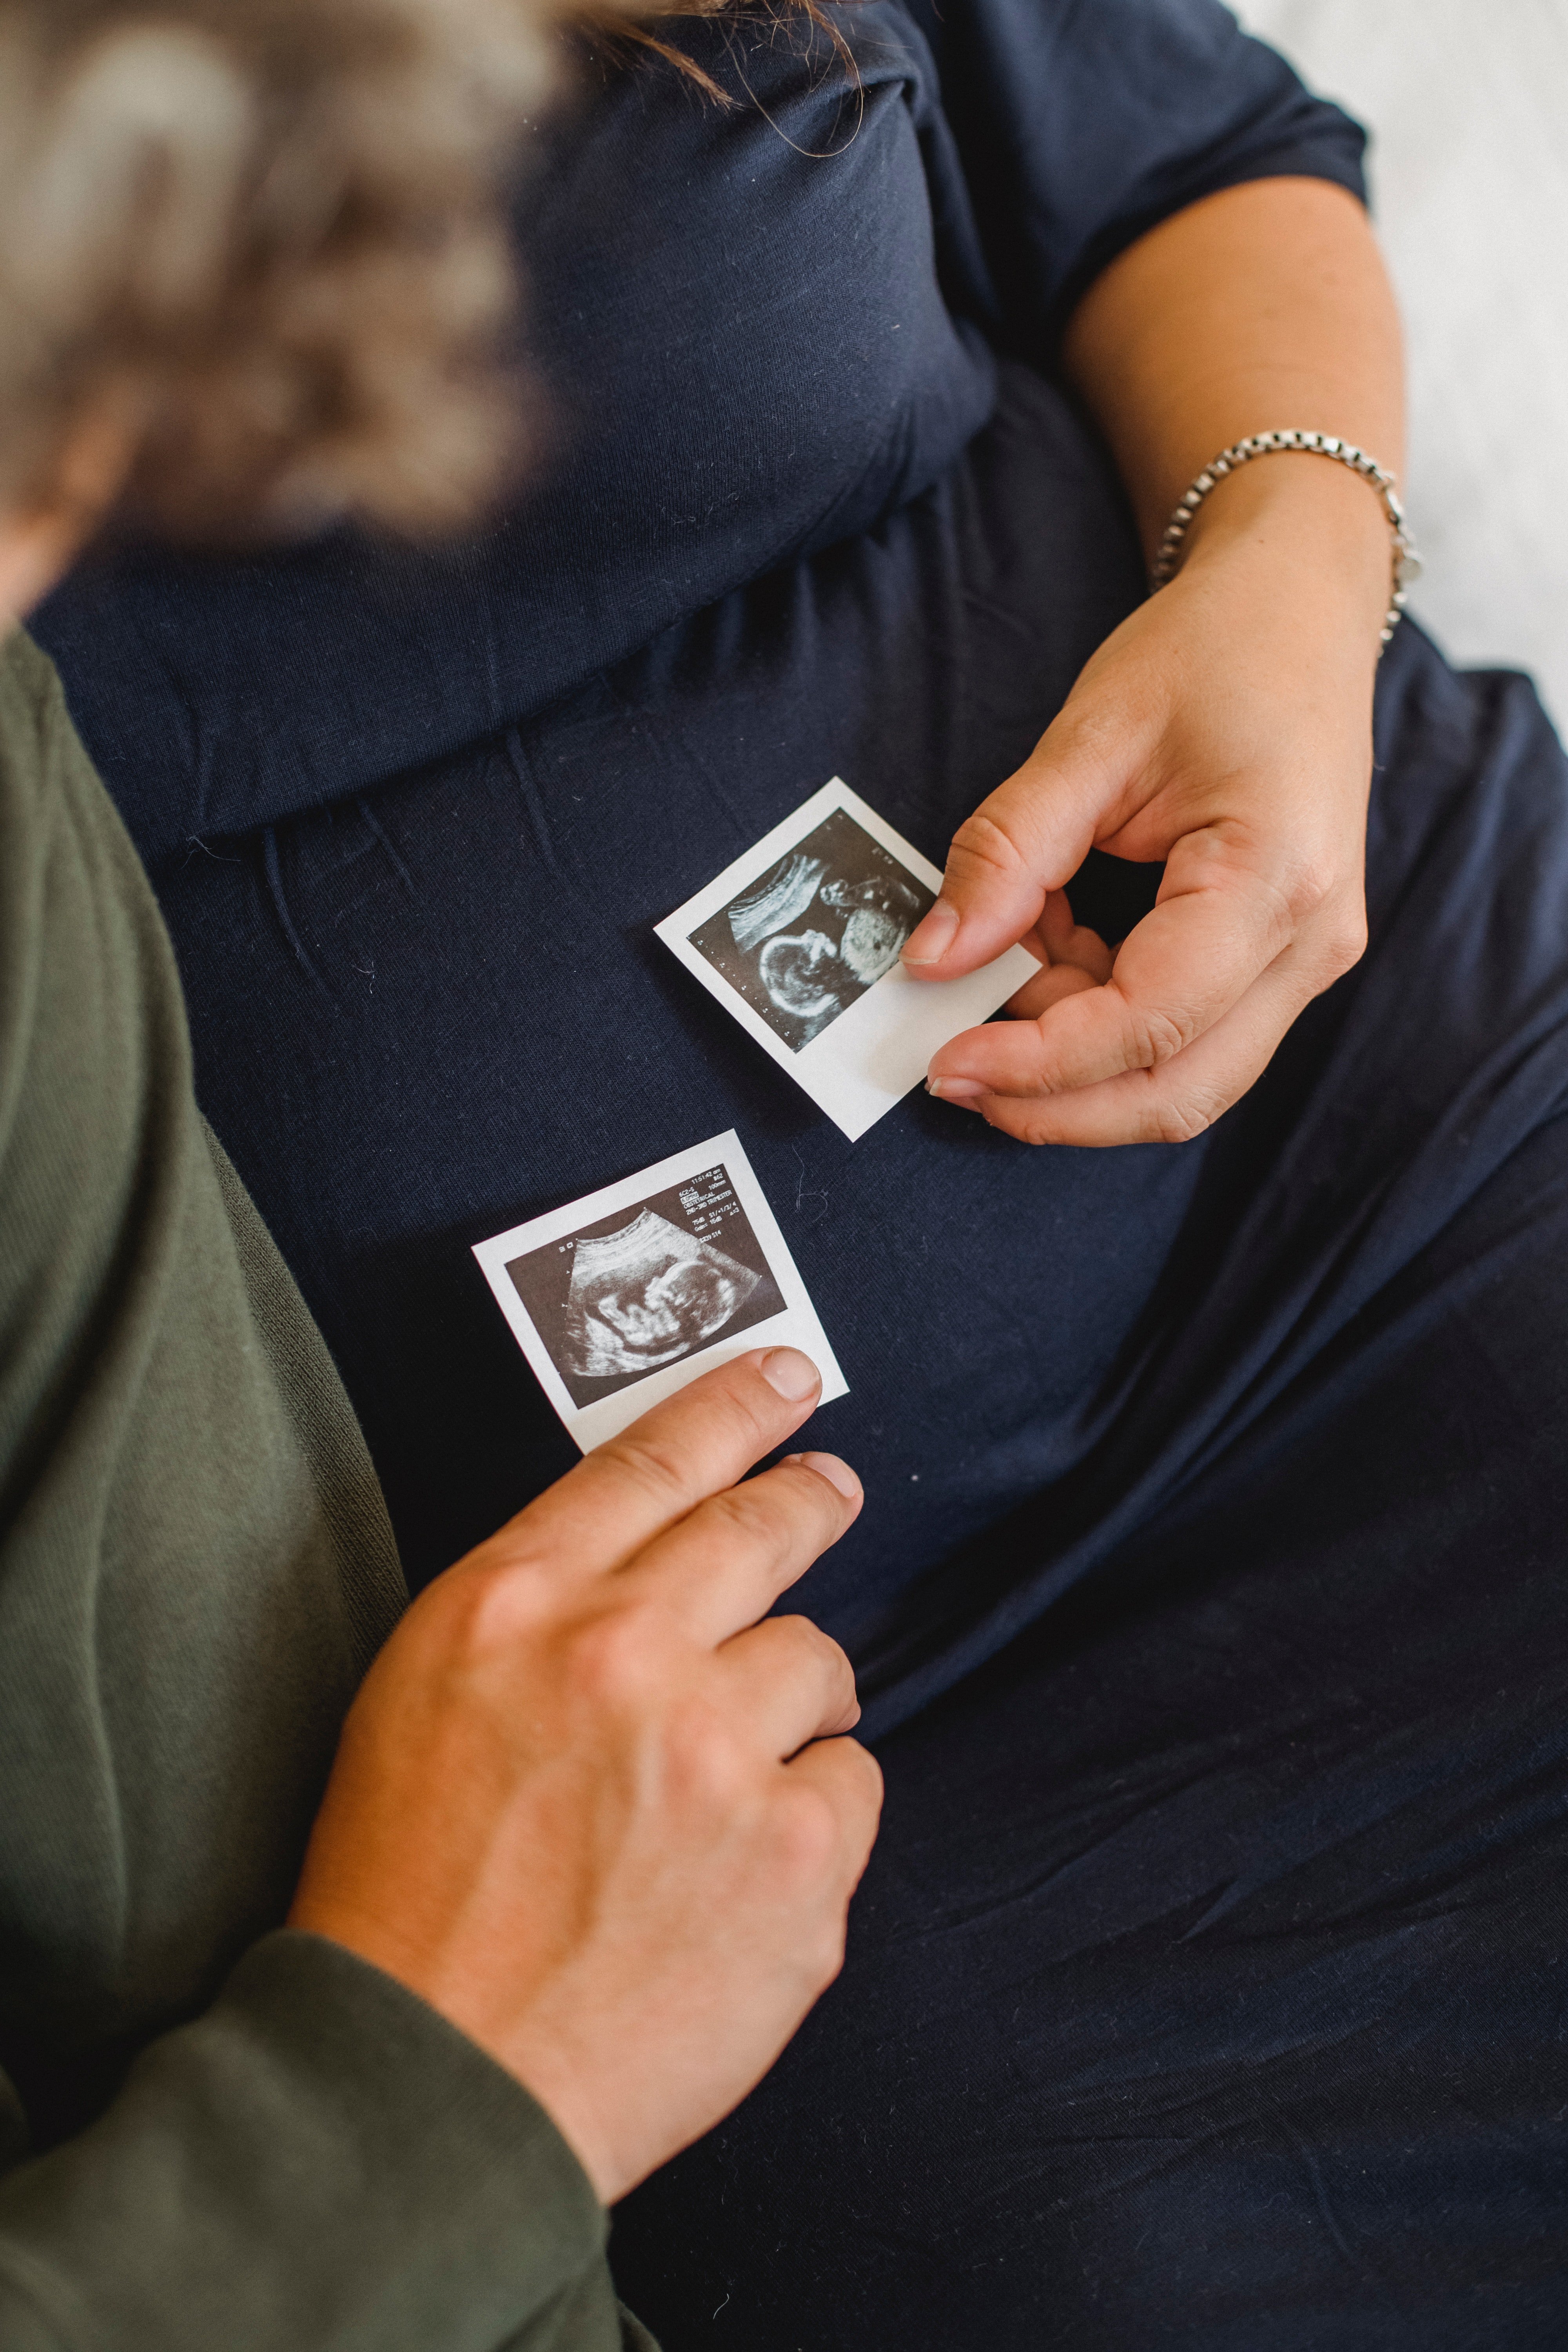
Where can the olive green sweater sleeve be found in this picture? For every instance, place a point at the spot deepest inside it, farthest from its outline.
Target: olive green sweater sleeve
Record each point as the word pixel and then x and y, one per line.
pixel 319 2159
pixel 211 2132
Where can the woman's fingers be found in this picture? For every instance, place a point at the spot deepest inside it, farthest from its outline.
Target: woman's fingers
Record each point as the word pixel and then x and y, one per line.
pixel 1177 1100
pixel 1217 926
pixel 1072 957
pixel 1047 988
pixel 787 1683
pixel 1022 843
pixel 726 1563
pixel 1067 942
pixel 1221 923
pixel 653 1473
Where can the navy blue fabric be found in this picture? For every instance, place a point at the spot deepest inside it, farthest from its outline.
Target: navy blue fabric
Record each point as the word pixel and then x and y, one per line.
pixel 1080 123
pixel 755 334
pixel 427 1013
pixel 1202 1990
pixel 1205 1989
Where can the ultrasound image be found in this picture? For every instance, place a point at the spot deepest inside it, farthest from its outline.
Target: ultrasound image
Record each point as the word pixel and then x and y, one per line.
pixel 817 930
pixel 646 1287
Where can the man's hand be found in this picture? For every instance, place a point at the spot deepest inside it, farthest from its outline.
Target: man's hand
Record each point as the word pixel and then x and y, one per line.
pixel 592 1810
pixel 1225 728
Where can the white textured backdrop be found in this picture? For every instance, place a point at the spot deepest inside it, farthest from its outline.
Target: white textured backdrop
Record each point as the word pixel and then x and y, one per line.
pixel 1468 104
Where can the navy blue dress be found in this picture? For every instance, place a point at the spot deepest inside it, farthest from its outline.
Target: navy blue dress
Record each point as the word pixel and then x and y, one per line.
pixel 1207 1989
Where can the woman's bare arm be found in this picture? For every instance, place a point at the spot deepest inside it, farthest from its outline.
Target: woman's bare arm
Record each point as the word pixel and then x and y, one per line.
pixel 1266 305
pixel 1226 727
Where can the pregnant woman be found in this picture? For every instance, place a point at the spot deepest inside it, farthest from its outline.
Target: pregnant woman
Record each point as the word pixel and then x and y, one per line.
pixel 1205 1987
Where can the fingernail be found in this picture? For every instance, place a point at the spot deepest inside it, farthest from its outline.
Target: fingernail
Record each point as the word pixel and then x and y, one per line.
pixel 930 939
pixel 954 1089
pixel 795 1376
pixel 838 1473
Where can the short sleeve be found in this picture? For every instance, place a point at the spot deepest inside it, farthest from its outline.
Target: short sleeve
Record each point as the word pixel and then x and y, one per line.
pixel 1081 123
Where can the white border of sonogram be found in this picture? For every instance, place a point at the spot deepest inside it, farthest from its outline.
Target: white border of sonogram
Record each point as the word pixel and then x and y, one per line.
pixel 797 1327
pixel 878 1047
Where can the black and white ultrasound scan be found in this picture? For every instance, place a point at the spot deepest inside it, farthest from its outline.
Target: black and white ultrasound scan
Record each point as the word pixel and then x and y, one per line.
pixel 817 930
pixel 799 939
pixel 617 1299
pixel 648 1285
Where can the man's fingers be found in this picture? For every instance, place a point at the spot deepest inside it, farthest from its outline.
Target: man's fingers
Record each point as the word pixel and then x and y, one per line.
pixel 1027 839
pixel 849 1778
pixel 1217 925
pixel 649 1478
pixel 788 1682
pixel 726 1563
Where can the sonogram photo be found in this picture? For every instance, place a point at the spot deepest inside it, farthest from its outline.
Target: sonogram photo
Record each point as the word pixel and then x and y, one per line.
pixel 817 930
pixel 645 1287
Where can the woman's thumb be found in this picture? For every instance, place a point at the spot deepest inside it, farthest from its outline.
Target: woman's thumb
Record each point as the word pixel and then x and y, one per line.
pixel 1027 839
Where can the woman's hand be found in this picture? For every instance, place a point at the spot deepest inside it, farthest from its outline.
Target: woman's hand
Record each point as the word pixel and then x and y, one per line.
pixel 592 1810
pixel 1226 728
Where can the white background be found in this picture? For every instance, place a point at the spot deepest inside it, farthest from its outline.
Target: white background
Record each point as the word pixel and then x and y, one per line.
pixel 1468 104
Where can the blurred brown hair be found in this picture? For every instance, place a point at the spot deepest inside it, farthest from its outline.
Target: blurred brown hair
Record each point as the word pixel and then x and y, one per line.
pixel 267 239
pixel 616 35
pixel 268 236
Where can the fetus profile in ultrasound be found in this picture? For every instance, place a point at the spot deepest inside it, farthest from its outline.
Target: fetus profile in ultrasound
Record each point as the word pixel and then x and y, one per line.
pixel 817 930
pixel 646 1288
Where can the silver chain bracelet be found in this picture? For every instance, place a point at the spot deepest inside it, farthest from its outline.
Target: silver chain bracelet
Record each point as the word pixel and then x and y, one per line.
pixel 1406 562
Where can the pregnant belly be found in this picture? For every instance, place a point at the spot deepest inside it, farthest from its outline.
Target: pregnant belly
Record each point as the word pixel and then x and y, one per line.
pixel 434 1011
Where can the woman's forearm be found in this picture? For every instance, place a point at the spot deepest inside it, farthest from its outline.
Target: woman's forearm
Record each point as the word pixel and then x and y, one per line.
pixel 1267 305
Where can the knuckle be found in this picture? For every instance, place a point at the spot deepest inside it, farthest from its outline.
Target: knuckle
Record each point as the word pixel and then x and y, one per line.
pixel 1036 1126
pixel 615 1660
pixel 1182 1118
pixel 739 1392
pixel 984 840
pixel 862 1767
pixel 806 1837
pixel 480 1609
pixel 1346 943
pixel 824 1959
pixel 840 1673
pixel 822 1658
pixel 708 1767
pixel 1310 885
pixel 759 1515
pixel 814 1648
pixel 773 1518
pixel 646 1462
pixel 1154 1036
pixel 739 1515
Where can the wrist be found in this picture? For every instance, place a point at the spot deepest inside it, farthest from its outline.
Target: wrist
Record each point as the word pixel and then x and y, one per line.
pixel 1312 526
pixel 539 2055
